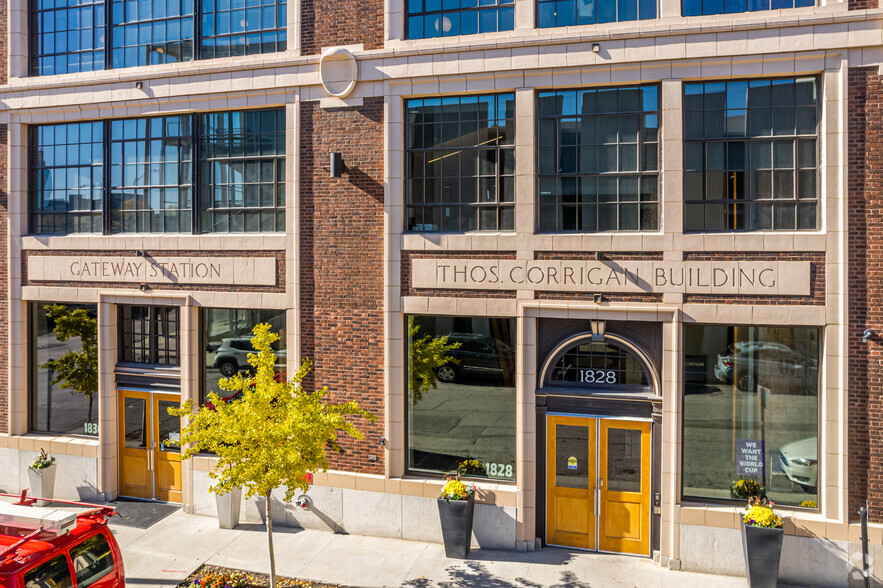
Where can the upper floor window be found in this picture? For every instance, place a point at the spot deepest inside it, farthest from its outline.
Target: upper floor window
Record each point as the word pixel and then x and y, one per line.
pixel 69 36
pixel 751 155
pixel 139 175
pixel 598 159
pixel 700 7
pixel 563 13
pixel 461 163
pixel 448 18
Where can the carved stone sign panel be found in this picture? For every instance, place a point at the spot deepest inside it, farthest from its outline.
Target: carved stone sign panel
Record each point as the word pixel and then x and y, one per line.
pixel 246 271
pixel 754 278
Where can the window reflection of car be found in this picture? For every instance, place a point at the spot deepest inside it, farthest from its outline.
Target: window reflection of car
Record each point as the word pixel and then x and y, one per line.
pixel 744 362
pixel 478 355
pixel 232 355
pixel 800 462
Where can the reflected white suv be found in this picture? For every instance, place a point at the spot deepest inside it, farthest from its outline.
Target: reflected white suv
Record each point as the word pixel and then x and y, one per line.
pixel 232 355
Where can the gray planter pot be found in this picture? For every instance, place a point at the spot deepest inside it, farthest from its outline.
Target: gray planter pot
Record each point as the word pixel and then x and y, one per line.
pixel 762 548
pixel 228 508
pixel 456 524
pixel 42 483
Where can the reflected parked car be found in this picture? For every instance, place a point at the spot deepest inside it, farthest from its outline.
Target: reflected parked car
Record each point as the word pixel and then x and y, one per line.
pixel 479 355
pixel 800 462
pixel 232 355
pixel 745 361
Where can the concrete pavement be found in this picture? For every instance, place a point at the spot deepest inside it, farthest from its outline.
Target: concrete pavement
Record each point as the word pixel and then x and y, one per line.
pixel 167 552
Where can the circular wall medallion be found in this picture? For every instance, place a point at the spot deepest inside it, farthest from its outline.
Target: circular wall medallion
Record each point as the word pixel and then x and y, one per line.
pixel 338 71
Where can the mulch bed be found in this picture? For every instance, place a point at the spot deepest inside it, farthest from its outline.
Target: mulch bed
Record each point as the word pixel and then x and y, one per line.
pixel 213 577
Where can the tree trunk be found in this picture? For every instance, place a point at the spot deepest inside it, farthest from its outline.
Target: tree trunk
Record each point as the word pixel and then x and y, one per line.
pixel 270 543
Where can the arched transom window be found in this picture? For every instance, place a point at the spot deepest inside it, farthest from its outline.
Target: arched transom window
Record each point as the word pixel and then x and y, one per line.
pixel 609 364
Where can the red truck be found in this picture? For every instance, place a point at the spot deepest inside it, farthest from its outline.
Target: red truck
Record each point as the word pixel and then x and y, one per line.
pixel 46 547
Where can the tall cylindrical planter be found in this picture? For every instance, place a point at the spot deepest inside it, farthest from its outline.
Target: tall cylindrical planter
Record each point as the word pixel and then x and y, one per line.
pixel 42 483
pixel 456 524
pixel 228 508
pixel 763 550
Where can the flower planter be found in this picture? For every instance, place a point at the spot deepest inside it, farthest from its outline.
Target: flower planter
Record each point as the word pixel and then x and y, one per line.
pixel 42 483
pixel 763 550
pixel 228 508
pixel 456 524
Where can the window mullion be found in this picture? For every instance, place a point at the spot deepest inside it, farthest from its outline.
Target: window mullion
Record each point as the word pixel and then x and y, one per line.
pixel 195 180
pixel 106 213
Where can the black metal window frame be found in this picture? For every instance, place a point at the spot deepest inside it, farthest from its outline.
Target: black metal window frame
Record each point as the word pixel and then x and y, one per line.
pixel 106 204
pixel 450 18
pixel 573 196
pixel 769 213
pixel 158 330
pixel 443 188
pixel 163 48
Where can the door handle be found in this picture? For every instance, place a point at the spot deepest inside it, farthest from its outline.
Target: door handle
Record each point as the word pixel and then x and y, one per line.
pixel 602 482
pixel 150 460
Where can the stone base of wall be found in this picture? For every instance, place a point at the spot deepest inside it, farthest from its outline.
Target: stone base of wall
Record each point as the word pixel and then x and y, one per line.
pixel 808 561
pixel 359 512
pixel 76 478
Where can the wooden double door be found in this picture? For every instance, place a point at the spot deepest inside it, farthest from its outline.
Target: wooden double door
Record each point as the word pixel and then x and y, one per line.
pixel 150 445
pixel 598 484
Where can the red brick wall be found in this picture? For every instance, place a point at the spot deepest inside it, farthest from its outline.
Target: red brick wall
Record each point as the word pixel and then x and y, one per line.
pixel 4 266
pixel 863 4
pixel 330 23
pixel 341 274
pixel 865 258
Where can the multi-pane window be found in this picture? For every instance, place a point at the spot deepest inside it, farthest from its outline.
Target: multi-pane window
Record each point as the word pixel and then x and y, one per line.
pixel 150 174
pixel 150 32
pixel 593 364
pixel 447 18
pixel 700 7
pixel 149 334
pixel 751 155
pixel 598 159
pixel 242 157
pixel 461 164
pixel 67 178
pixel 563 13
pixel 139 175
pixel 230 27
pixel 70 36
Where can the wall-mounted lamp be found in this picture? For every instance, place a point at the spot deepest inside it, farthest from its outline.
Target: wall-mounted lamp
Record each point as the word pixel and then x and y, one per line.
pixel 139 85
pixel 144 287
pixel 598 328
pixel 596 47
pixel 335 165
pixel 868 335
pixel 139 253
pixel 597 298
pixel 598 256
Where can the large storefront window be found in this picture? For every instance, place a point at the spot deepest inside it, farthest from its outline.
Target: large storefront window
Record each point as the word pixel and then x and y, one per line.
pixel 461 395
pixel 54 408
pixel 227 334
pixel 461 164
pixel 751 412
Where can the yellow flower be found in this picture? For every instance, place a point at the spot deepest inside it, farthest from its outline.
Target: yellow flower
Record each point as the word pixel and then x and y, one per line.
pixel 762 516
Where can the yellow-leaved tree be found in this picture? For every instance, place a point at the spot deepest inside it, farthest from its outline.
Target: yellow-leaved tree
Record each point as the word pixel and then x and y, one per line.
pixel 272 435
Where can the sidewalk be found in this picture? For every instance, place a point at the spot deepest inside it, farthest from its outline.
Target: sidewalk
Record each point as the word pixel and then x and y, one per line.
pixel 167 552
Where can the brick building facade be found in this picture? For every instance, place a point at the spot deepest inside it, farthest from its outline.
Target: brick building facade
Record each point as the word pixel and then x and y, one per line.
pixel 645 235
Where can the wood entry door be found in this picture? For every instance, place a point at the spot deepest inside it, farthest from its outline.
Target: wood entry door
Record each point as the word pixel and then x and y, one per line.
pixel 150 451
pixel 598 484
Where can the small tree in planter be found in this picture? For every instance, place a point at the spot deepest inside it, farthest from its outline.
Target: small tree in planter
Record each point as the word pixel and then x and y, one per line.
pixel 762 536
pixel 456 505
pixel 272 434
pixel 41 476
